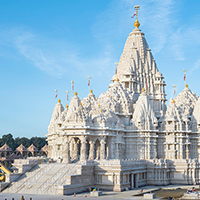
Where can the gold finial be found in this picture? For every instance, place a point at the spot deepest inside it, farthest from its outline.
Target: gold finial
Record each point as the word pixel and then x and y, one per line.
pixel 136 24
pixel 75 93
pixel 101 111
pixel 98 105
pixel 80 104
pixel 91 91
pixel 186 85
pixel 108 95
pixel 173 101
pixel 66 106
pixel 59 100
pixel 143 90
pixel 117 80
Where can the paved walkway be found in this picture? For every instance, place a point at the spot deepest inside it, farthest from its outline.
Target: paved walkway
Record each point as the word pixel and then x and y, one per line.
pixel 107 195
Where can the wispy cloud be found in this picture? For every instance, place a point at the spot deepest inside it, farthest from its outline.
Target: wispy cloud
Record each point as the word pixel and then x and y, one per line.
pixel 181 41
pixel 52 56
pixel 156 18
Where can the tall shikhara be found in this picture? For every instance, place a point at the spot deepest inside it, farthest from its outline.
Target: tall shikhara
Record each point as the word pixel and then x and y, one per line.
pixel 130 120
pixel 137 70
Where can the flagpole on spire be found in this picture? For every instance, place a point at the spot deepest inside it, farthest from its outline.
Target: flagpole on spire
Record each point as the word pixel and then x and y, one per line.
pixel 67 92
pixel 184 71
pixel 89 77
pixel 72 91
pixel 136 24
pixel 137 7
pixel 174 86
pixel 116 64
pixel 56 95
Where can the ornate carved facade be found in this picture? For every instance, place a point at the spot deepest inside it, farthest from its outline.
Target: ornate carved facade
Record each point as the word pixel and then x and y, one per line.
pixel 130 121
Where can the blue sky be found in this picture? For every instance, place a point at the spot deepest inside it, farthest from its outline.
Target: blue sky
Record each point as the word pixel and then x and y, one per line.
pixel 46 44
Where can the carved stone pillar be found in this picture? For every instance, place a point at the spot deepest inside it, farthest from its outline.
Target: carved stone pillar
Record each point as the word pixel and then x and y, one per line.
pixel 187 151
pixel 116 151
pixel 102 154
pixel 83 149
pixel 76 149
pixel 132 180
pixel 91 154
pixel 107 152
pixel 66 155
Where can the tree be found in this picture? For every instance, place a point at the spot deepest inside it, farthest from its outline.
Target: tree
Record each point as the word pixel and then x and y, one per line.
pixel 39 142
pixel 8 139
pixel 25 141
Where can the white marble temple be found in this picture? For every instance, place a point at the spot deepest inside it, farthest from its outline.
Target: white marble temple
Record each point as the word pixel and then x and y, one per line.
pixel 131 121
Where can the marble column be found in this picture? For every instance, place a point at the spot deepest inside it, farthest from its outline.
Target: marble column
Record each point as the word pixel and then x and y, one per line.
pixel 76 149
pixel 187 151
pixel 132 181
pixel 91 154
pixel 83 149
pixel 116 151
pixel 66 156
pixel 102 154
pixel 107 152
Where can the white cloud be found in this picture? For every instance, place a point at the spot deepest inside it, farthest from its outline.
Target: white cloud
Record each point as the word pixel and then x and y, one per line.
pixel 181 41
pixel 52 56
pixel 195 67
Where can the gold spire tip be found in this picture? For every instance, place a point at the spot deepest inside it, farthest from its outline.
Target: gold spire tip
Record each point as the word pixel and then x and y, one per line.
pixel 91 91
pixel 59 100
pixel 101 111
pixel 80 104
pixel 75 93
pixel 143 90
pixel 117 80
pixel 173 101
pixel 66 106
pixel 136 24
pixel 98 105
pixel 186 85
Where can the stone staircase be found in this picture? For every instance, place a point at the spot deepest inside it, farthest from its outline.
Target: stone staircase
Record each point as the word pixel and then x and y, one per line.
pixel 45 179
